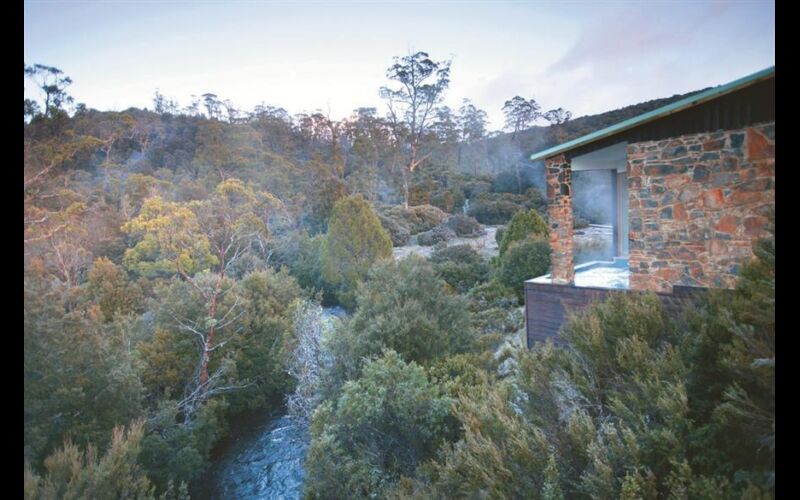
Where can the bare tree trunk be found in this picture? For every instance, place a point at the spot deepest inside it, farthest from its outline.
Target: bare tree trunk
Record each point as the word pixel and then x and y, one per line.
pixel 207 348
pixel 405 188
pixel 212 313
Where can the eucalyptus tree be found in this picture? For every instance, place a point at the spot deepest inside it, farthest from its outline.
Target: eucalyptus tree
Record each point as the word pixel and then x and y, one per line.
pixel 53 83
pixel 201 242
pixel 557 116
pixel 520 114
pixel 472 127
pixel 421 83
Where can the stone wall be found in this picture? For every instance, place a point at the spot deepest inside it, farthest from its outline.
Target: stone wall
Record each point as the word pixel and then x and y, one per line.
pixel 697 203
pixel 558 175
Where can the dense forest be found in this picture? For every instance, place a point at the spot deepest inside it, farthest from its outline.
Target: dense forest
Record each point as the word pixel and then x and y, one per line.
pixel 175 262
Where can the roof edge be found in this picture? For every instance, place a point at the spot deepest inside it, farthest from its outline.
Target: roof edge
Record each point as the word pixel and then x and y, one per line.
pixel 669 109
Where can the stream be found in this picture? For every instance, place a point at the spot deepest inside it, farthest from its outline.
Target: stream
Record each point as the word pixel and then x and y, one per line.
pixel 263 457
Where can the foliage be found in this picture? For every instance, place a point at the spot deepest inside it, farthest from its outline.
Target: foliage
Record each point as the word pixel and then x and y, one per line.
pixel 422 83
pixel 487 211
pixel 323 199
pixel 300 253
pixel 524 260
pixel 732 351
pixel 398 229
pixel 154 238
pixel 108 286
pixel 507 182
pixel 439 234
pixel 80 376
pixel 381 427
pixel 170 240
pixel 179 451
pixel 449 200
pixel 522 225
pixel 464 225
pixel 73 474
pixel 417 218
pixel 355 240
pixel 499 208
pixel 520 113
pixel 461 266
pixel 405 307
pixel 493 294
pixel 260 352
pixel 580 223
pixel 638 405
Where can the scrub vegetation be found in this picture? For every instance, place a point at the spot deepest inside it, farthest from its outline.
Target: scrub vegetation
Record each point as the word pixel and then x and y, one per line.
pixel 176 258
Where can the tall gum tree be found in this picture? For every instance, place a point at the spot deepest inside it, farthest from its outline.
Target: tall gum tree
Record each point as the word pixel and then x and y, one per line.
pixel 422 83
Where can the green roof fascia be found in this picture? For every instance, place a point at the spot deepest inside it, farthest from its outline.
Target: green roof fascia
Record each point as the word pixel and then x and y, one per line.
pixel 658 113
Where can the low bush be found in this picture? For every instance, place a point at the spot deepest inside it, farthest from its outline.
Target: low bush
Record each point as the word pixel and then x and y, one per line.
pixel 461 266
pixel 522 261
pixel 521 226
pixel 449 200
pixel 492 294
pixel 487 211
pixel 397 228
pixel 464 225
pixel 417 218
pixel 438 234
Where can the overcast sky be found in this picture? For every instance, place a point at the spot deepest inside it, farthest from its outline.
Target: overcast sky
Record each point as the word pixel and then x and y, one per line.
pixel 585 56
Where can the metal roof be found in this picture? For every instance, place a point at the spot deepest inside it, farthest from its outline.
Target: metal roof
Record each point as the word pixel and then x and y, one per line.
pixel 661 112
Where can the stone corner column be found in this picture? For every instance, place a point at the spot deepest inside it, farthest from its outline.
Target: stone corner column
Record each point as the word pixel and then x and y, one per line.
pixel 558 174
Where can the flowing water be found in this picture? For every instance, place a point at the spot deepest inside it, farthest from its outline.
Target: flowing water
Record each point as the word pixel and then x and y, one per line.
pixel 262 458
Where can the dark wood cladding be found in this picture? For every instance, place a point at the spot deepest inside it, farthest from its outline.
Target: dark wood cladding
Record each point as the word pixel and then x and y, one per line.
pixel 739 109
pixel 547 305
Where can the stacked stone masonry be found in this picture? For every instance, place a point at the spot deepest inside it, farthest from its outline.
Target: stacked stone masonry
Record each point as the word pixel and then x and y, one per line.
pixel 558 174
pixel 696 205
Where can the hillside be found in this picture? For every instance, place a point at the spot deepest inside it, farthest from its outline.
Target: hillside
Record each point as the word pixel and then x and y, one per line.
pixel 541 137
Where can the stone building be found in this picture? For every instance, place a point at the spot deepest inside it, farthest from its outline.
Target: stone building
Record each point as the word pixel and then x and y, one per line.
pixel 694 186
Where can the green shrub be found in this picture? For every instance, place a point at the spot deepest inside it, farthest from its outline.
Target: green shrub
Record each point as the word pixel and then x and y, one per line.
pixel 73 473
pixel 355 241
pixel 397 228
pixel 498 235
pixel 449 200
pixel 474 187
pixel 638 406
pixel 498 208
pixel 493 294
pixel 493 212
pixel 507 182
pixel 417 218
pixel 524 260
pixel 439 234
pixel 463 373
pixel 381 427
pixel 406 307
pixel 521 226
pixel 464 225
pixel 461 266
pixel 261 350
pixel 321 203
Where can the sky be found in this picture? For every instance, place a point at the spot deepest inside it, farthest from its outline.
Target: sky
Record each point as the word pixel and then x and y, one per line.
pixel 584 56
